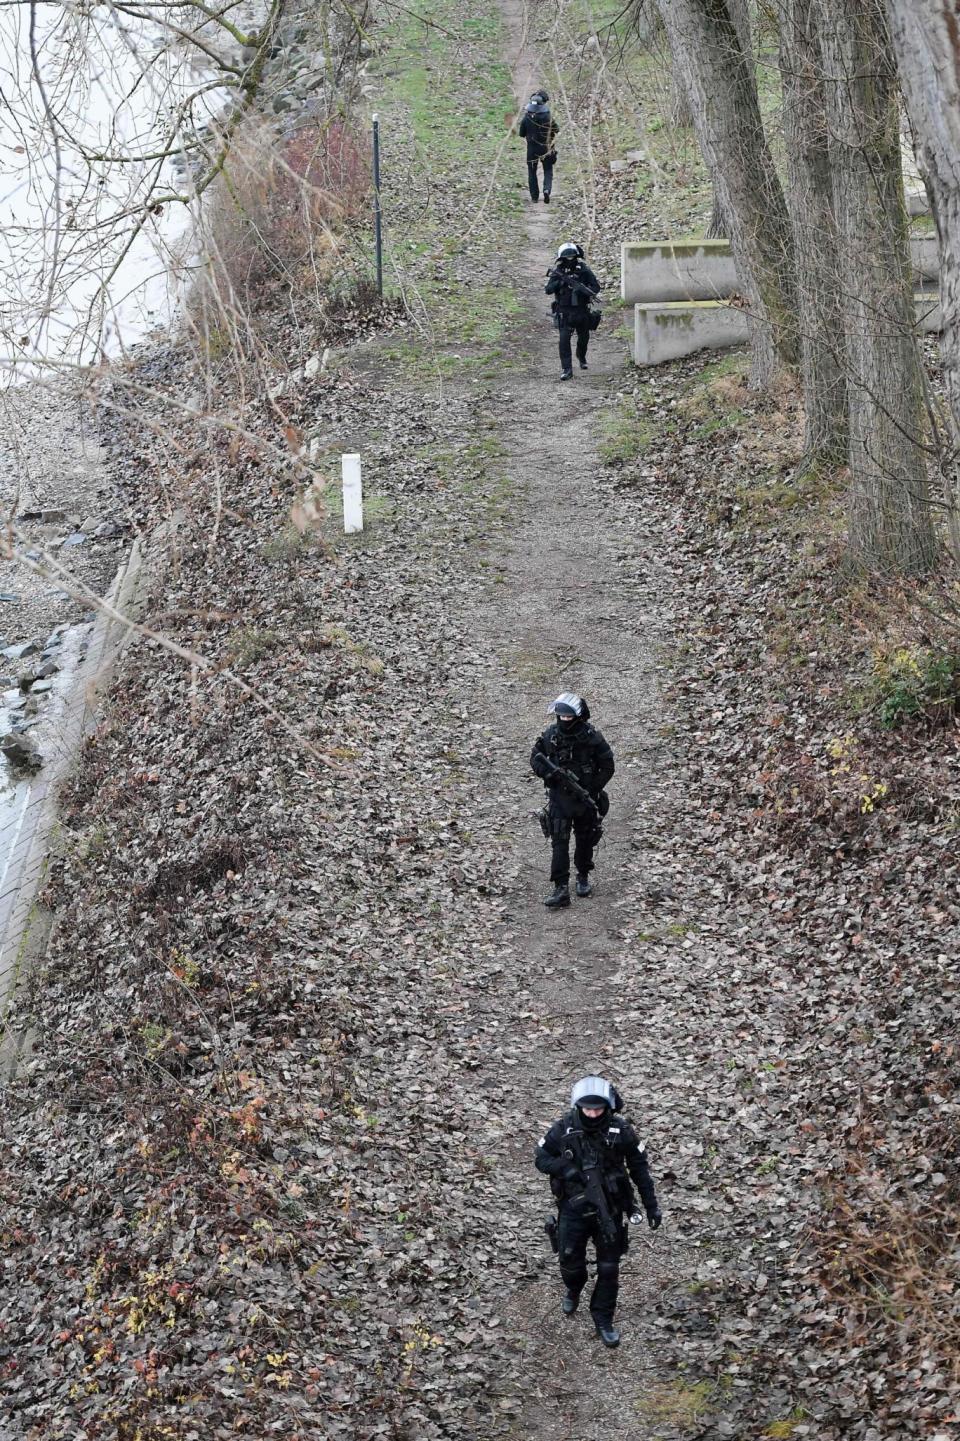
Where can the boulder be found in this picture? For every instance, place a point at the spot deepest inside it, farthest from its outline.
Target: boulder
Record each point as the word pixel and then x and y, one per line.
pixel 22 751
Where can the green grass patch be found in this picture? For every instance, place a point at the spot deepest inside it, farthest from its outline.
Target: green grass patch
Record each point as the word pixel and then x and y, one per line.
pixel 376 508
pixel 289 545
pixel 767 503
pixel 447 82
pixel 252 644
pixel 682 1406
pixel 710 403
pixel 625 435
pixel 785 1428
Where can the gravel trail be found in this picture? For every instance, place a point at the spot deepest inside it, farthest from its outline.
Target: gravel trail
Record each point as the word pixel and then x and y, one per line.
pixel 645 981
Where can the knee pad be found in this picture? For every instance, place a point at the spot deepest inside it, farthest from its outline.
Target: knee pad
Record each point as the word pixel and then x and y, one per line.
pixel 608 1270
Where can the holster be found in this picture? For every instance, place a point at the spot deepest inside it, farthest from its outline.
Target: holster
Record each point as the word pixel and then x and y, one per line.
pixel 550 1226
pixel 543 816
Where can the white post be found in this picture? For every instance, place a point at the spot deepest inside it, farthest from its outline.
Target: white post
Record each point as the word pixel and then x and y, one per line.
pixel 352 495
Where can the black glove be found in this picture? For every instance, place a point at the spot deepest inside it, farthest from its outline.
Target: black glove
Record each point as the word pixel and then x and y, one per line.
pixel 654 1218
pixel 574 1176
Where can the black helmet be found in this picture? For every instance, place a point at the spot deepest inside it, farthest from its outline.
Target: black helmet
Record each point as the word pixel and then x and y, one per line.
pixel 539 97
pixel 594 1091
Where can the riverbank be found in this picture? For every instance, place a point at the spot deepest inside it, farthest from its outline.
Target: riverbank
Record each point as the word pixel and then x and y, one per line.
pixel 273 920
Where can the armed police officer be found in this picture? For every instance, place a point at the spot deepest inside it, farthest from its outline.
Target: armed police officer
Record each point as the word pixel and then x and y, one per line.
pixel 574 285
pixel 539 129
pixel 588 1154
pixel 575 763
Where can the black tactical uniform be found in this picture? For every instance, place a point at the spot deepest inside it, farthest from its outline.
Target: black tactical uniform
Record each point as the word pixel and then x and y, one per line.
pixel 539 130
pixel 579 748
pixel 574 285
pixel 578 1153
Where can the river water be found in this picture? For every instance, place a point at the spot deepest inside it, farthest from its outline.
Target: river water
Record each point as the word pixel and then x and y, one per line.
pixel 87 95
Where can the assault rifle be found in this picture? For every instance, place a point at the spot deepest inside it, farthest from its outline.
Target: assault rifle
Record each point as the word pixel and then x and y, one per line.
pixel 595 1194
pixel 568 279
pixel 571 784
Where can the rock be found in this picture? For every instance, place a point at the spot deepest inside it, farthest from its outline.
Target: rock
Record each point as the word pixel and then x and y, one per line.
pixel 40 687
pixel 22 750
pixel 616 166
pixel 5 595
pixel 22 651
pixel 48 668
pixel 52 517
pixel 106 529
pixel 76 537
pixel 89 525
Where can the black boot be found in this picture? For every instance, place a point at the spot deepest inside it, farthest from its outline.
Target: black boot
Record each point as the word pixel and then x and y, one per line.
pixel 569 1303
pixel 608 1333
pixel 559 896
pixel 584 888
pixel 566 375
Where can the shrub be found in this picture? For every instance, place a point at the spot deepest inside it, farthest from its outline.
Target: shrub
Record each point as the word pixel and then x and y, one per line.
pixel 916 685
pixel 276 214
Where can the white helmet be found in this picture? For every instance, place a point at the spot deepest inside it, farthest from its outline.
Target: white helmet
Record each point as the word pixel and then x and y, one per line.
pixel 569 251
pixel 594 1091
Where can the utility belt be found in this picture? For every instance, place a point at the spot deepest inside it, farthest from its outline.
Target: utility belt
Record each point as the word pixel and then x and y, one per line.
pixel 556 827
pixel 552 1229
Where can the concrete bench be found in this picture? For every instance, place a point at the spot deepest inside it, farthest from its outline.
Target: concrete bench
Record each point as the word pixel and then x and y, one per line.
pixel 673 329
pixel 665 270
pixel 676 270
pixel 679 327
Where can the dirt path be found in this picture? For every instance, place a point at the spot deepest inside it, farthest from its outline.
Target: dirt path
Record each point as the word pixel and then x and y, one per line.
pixel 576 618
pixel 647 981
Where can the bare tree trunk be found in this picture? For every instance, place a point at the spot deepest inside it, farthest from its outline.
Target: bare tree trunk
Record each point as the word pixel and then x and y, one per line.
pixel 810 202
pixel 708 58
pixel 925 37
pixel 739 11
pixel 890 522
